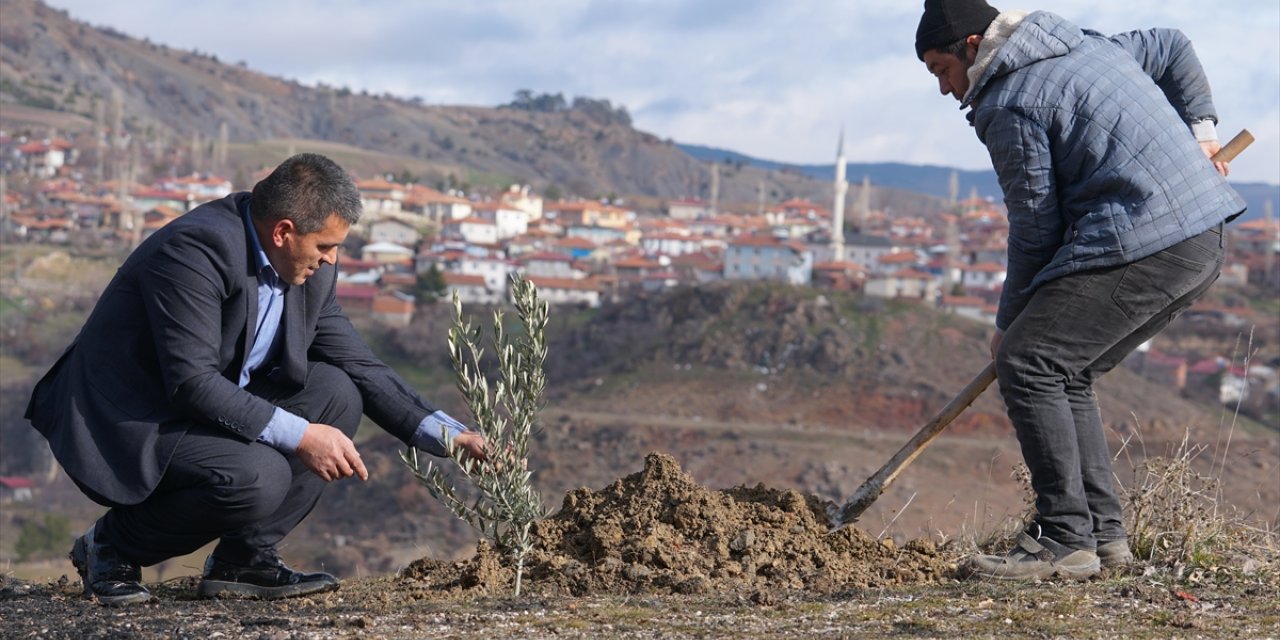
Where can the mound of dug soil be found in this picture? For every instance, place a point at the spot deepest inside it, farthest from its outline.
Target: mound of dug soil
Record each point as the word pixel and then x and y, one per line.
pixel 658 531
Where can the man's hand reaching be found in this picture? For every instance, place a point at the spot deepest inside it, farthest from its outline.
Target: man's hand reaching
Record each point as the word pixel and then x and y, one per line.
pixel 474 444
pixel 1211 148
pixel 330 454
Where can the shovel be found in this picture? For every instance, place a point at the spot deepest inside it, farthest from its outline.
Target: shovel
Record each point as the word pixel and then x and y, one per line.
pixel 877 483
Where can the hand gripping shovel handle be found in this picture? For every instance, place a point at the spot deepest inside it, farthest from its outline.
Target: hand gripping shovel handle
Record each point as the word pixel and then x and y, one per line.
pixel 1230 150
pixel 876 484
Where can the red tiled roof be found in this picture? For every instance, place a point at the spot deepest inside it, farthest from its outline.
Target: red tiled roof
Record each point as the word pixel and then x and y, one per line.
pixel 545 256
pixel 899 257
pixel 912 274
pixel 576 242
pixel 985 267
pixel 843 265
pixel 463 279
pixel 420 195
pixel 42 146
pixel 377 184
pixel 564 283
pixel 578 205
pixel 635 262
pixel 354 291
pixel 471 220
pixel 15 482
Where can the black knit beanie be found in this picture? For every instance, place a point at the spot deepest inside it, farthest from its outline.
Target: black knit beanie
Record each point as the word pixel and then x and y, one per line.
pixel 947 21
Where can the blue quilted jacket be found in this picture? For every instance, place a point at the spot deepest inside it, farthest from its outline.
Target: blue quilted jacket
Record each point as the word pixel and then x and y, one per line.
pixel 1089 137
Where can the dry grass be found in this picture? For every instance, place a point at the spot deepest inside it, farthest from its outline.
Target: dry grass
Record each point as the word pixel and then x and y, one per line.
pixel 1179 525
pixel 1177 520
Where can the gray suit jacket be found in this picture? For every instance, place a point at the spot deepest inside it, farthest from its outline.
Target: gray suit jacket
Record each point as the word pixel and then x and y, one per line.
pixel 164 346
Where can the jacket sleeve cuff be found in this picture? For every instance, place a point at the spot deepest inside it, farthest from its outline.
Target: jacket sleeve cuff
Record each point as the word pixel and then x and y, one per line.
pixel 284 431
pixel 1204 130
pixel 431 432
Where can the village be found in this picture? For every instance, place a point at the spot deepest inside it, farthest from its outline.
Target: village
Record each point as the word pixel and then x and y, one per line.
pixel 417 244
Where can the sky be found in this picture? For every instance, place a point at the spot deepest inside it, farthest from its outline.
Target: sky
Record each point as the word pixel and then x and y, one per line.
pixel 774 79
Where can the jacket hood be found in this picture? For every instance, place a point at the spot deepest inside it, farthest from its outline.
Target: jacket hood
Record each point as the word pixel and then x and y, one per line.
pixel 1040 36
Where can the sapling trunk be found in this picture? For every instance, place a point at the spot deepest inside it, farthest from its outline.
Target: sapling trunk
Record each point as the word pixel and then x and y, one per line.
pixel 505 503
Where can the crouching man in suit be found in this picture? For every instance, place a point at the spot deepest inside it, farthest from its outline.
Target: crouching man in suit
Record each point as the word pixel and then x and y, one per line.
pixel 215 389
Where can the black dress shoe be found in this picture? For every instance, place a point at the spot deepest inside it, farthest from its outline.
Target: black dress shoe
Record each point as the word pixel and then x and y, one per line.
pixel 268 579
pixel 107 576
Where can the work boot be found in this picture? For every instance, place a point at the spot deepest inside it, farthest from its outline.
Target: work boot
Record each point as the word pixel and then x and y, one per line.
pixel 1036 559
pixel 107 575
pixel 268 579
pixel 1115 553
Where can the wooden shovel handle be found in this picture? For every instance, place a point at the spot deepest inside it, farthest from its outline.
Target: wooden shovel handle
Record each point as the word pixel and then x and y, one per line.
pixel 876 484
pixel 1230 150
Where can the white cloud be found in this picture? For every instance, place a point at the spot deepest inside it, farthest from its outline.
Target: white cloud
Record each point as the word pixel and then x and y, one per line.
pixel 772 79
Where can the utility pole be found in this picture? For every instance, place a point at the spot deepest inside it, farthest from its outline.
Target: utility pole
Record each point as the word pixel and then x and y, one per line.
pixel 221 159
pixel 197 155
pixel 715 188
pixel 99 135
pixel 1272 242
pixel 864 204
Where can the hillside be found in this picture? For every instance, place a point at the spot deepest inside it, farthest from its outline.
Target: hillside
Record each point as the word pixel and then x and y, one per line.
pixel 62 74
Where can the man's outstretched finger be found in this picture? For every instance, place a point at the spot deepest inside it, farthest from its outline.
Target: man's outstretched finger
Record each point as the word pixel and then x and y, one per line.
pixel 358 465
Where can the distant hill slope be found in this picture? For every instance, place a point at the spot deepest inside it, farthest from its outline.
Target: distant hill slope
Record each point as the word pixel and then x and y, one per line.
pixel 51 61
pixel 936 180
pixel 60 75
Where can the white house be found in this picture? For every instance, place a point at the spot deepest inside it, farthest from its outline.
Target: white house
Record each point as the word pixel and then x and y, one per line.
pixel 903 260
pixel 566 291
pixel 202 186
pixel 687 209
pixel 906 283
pixel 471 289
pixel 43 158
pixel 436 206
pixel 672 244
pixel 596 234
pixel 546 264
pixel 766 258
pixel 379 196
pixel 510 222
pixel 984 275
pixel 472 230
pixel 521 198
pixel 971 307
pixel 387 253
pixel 866 249
pixel 491 266
pixel 394 230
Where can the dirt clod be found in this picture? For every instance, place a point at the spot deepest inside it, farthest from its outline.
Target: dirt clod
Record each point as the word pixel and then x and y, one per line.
pixel 658 531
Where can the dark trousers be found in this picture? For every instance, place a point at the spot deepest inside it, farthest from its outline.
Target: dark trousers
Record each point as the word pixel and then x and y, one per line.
pixel 248 495
pixel 1073 330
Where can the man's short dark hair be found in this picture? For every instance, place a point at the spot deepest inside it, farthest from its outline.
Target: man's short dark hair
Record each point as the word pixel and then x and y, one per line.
pixel 307 189
pixel 957 48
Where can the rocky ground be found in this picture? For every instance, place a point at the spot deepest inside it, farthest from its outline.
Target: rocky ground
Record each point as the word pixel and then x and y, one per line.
pixel 655 555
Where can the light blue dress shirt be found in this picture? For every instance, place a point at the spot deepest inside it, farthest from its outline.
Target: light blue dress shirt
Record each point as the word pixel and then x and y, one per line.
pixel 285 429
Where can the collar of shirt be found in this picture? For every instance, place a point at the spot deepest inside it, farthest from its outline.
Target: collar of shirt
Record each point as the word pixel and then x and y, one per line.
pixel 267 274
